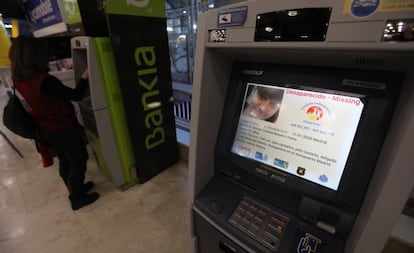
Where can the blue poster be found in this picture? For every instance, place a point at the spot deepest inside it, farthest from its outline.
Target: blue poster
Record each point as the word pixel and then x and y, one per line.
pixel 43 13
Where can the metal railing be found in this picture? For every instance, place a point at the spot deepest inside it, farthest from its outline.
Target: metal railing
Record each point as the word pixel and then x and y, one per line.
pixel 182 109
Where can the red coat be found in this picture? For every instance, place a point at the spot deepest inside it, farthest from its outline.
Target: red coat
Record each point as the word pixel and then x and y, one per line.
pixel 50 113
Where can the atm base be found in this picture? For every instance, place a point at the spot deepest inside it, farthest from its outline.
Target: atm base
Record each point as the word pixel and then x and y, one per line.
pixel 229 218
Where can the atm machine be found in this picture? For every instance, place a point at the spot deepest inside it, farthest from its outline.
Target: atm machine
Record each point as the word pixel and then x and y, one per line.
pixel 101 111
pixel 330 171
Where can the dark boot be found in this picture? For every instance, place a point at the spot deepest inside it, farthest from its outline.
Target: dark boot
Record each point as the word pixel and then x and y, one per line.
pixel 84 200
pixel 88 186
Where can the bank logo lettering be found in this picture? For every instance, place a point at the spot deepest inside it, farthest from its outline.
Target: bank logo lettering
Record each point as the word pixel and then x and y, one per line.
pixel 43 9
pixel 145 58
pixel 309 243
pixel 364 8
pixel 253 72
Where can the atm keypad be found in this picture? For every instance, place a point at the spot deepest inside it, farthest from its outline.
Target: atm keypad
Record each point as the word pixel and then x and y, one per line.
pixel 259 222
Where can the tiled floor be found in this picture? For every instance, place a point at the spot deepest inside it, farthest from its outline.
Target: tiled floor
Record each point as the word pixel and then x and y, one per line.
pixel 35 214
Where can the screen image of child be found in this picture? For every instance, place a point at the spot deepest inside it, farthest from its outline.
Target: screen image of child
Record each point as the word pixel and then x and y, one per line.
pixel 263 102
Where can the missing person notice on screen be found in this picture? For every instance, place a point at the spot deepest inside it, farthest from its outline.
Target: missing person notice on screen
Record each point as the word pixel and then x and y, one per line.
pixel 302 132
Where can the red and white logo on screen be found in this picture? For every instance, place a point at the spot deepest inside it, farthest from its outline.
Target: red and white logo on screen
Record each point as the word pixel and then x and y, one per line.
pixel 314 113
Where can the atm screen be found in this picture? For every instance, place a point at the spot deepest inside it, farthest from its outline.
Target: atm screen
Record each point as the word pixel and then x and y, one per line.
pixel 302 131
pixel 305 130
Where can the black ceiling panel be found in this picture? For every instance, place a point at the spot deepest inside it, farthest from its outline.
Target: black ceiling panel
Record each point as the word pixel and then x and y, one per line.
pixel 12 9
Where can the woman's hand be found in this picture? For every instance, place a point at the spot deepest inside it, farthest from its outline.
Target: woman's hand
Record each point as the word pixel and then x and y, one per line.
pixel 85 74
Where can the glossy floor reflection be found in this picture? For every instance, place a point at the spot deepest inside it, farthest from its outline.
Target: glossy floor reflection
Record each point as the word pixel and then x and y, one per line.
pixel 35 213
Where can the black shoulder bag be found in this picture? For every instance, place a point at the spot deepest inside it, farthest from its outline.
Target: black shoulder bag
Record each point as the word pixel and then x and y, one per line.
pixel 17 119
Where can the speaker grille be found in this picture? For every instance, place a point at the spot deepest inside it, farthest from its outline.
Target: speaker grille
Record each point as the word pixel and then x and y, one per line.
pixel 370 61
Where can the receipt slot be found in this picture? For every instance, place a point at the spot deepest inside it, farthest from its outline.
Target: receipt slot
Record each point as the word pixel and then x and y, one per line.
pixel 321 173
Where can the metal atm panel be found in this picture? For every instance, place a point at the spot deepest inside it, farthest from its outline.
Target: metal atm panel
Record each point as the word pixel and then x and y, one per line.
pixel 352 41
pixel 83 50
pixel 94 110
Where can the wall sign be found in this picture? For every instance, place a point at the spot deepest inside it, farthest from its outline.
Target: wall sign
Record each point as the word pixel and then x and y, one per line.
pixel 365 8
pixel 140 44
pixel 45 16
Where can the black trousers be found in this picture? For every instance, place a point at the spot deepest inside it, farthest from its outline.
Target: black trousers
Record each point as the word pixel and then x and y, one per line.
pixel 70 147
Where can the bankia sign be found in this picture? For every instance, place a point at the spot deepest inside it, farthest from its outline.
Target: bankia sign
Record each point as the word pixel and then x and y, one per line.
pixel 140 45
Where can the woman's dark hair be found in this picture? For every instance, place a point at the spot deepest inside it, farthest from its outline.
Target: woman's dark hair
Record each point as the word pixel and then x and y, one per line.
pixel 29 57
pixel 269 93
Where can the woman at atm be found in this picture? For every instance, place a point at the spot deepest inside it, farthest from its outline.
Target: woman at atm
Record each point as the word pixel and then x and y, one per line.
pixel 53 113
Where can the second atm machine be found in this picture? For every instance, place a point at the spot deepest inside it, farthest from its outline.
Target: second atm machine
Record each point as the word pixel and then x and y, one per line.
pixel 291 159
pixel 101 111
